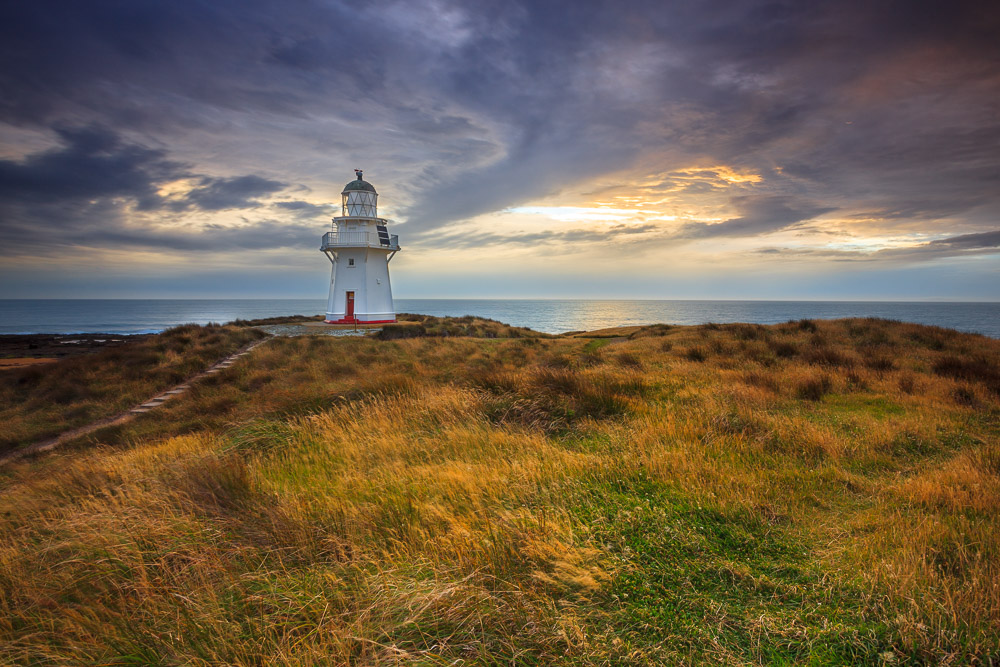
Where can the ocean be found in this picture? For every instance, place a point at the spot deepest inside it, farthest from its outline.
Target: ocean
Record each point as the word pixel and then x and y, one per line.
pixel 132 316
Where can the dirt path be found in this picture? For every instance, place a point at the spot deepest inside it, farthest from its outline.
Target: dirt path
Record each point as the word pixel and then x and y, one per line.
pixel 153 403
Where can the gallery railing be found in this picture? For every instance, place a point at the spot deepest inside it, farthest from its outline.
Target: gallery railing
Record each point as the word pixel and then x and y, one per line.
pixel 337 239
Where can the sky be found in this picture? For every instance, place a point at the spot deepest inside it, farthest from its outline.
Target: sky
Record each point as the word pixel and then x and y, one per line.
pixel 522 149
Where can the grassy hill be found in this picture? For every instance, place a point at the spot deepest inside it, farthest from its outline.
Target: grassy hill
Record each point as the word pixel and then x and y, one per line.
pixel 37 402
pixel 804 493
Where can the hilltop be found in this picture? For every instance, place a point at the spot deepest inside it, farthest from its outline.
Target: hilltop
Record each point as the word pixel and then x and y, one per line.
pixel 814 492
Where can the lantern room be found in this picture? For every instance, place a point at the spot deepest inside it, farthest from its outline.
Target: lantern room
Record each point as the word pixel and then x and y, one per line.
pixel 359 198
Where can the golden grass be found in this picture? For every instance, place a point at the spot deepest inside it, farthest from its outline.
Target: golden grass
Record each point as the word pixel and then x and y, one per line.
pixel 536 500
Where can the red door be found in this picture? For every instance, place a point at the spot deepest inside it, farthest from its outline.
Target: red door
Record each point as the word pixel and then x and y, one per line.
pixel 349 315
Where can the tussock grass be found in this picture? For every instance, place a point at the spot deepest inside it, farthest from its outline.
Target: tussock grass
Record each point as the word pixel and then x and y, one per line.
pixel 469 325
pixel 43 401
pixel 557 500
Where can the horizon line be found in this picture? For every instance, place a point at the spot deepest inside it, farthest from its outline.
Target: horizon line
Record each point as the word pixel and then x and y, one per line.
pixel 421 298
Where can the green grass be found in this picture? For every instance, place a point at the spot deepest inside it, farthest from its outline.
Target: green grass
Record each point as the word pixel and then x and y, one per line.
pixel 595 344
pixel 877 407
pixel 706 584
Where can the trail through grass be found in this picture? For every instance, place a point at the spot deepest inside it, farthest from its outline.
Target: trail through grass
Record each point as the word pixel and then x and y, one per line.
pixel 42 401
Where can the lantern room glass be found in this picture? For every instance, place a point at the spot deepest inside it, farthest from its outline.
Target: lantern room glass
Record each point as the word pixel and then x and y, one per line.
pixel 361 204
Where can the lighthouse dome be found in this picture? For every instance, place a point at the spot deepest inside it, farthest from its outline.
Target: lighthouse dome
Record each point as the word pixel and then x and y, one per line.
pixel 360 198
pixel 358 184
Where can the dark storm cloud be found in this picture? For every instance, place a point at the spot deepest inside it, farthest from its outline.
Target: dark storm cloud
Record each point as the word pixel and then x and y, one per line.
pixel 218 194
pixel 970 241
pixel 891 108
pixel 264 235
pixel 103 227
pixel 758 215
pixel 83 191
pixel 93 163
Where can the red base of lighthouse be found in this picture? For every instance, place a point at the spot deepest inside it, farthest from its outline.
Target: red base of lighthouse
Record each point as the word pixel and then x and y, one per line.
pixel 353 320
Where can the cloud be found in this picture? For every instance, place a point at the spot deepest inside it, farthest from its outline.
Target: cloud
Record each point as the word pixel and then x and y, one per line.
pixel 304 210
pixel 548 237
pixel 759 215
pixel 92 163
pixel 263 235
pixel 98 190
pixel 983 240
pixel 218 194
pixel 963 245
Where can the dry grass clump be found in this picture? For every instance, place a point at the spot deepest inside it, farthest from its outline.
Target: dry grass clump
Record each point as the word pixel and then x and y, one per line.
pixel 977 369
pixel 536 500
pixel 42 401
pixel 469 325
pixel 784 349
pixel 821 354
pixel 814 388
pixel 628 360
pixel 696 353
pixel 552 399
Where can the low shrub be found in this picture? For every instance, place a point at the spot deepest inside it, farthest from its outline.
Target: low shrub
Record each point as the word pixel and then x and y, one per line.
pixel 784 349
pixel 496 382
pixel 813 389
pixel 628 360
pixel 823 355
pixel 559 380
pixel 977 369
pixel 401 331
pixel 763 380
pixel 749 332
pixel 695 354
pixel 880 364
pixel 929 337
pixel 446 327
pixel 965 396
pixel 855 381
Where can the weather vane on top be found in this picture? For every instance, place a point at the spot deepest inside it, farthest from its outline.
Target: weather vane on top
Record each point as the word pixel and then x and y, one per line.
pixel 360 174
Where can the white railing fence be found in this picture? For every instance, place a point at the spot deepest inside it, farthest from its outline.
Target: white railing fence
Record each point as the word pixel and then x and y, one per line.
pixel 337 239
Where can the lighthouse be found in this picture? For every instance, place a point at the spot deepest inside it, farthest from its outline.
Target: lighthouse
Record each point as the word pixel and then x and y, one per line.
pixel 360 248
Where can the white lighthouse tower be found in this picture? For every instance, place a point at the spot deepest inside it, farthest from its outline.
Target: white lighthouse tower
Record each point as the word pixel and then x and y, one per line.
pixel 360 248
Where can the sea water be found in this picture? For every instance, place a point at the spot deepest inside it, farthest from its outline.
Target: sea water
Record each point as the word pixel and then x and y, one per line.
pixel 131 316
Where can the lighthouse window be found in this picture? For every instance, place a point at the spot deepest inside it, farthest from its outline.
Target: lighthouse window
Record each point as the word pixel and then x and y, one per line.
pixel 350 261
